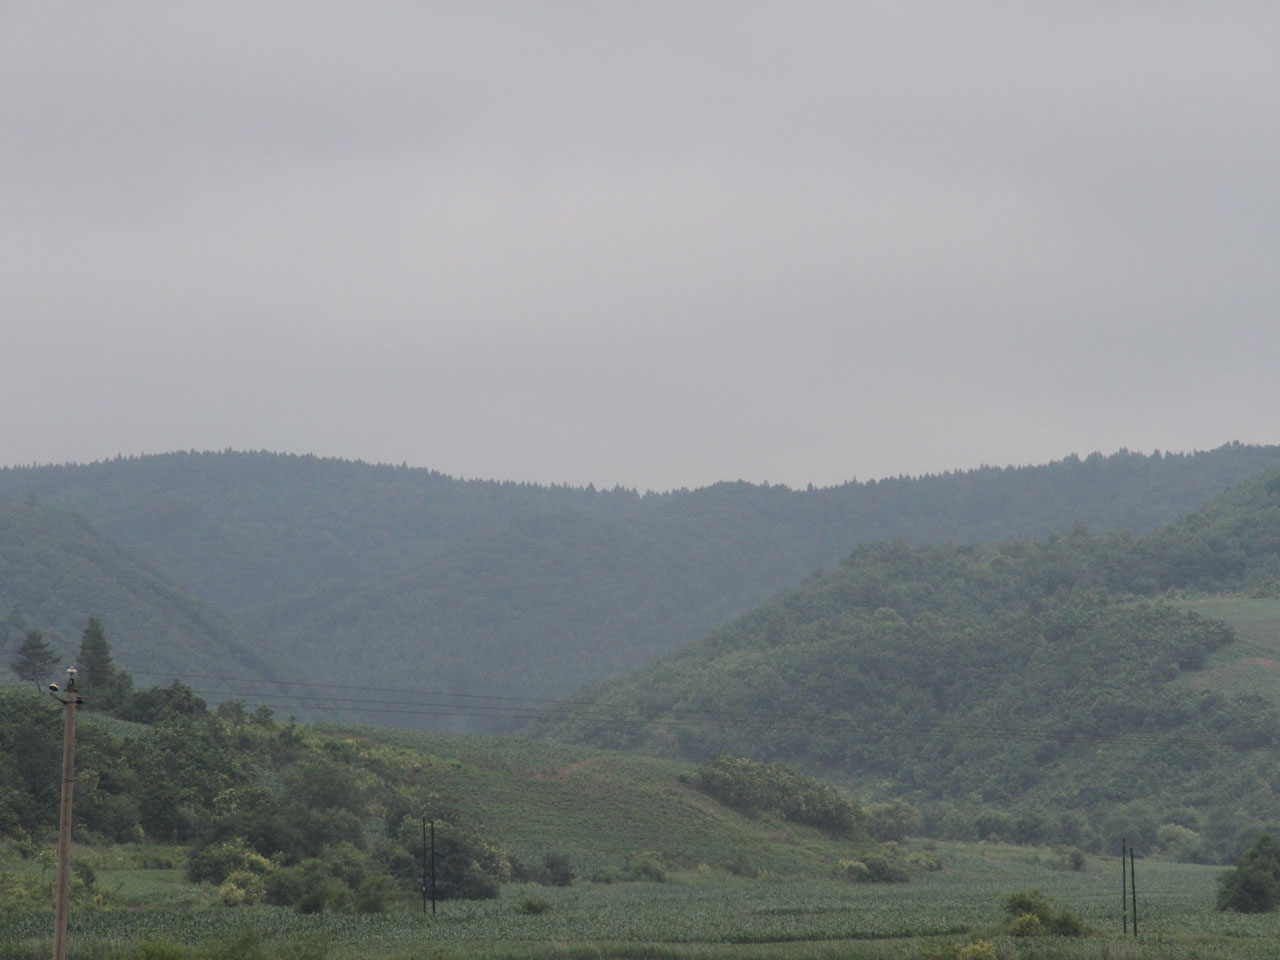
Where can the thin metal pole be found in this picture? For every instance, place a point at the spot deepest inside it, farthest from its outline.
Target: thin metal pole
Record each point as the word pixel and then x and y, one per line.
pixel 433 869
pixel 1124 891
pixel 424 866
pixel 63 902
pixel 1133 891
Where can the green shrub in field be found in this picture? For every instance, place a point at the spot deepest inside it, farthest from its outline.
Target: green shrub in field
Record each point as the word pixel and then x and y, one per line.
pixel 874 868
pixel 1070 859
pixel 22 893
pixel 1030 915
pixel 1026 925
pixel 882 868
pixel 331 881
pixel 1253 885
pixel 891 821
pixel 1179 842
pixel 929 861
pixel 467 868
pixel 216 862
pixel 555 870
pixel 372 894
pixel 533 906
pixel 559 870
pixel 854 871
pixel 978 950
pixel 645 868
pixel 751 786
pixel 242 888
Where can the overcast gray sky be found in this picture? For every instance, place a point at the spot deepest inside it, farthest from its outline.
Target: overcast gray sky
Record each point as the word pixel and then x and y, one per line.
pixel 653 243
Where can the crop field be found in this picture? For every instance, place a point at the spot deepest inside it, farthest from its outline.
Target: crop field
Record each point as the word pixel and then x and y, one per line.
pixel 1252 664
pixel 702 914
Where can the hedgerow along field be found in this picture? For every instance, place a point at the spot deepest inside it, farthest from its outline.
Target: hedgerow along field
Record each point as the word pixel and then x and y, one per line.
pixel 699 914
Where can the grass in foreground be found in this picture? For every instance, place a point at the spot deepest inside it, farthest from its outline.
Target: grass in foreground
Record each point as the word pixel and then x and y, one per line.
pixel 705 916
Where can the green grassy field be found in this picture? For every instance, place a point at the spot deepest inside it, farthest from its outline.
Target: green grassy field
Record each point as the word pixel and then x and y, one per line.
pixel 1251 665
pixel 740 887
pixel 703 913
pixel 598 808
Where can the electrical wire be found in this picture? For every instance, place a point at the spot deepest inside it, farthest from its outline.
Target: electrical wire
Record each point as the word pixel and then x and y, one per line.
pixel 496 707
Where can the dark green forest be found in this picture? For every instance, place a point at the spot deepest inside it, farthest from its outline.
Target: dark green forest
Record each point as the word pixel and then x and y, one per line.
pixel 1034 691
pixel 332 570
pixel 56 569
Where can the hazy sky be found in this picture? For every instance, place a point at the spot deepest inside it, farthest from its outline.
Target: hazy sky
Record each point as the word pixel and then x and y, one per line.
pixel 649 243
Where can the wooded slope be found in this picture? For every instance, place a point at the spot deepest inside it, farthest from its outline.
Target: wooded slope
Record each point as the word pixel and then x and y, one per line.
pixel 1039 690
pixel 353 573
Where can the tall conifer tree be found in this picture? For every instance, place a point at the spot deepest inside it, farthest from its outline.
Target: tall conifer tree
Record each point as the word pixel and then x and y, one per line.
pixel 35 659
pixel 96 668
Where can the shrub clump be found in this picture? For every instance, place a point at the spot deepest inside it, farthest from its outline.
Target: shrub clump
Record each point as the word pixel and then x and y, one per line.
pixel 533 906
pixel 1253 885
pixel 1029 915
pixel 644 868
pixel 754 787
pixel 874 868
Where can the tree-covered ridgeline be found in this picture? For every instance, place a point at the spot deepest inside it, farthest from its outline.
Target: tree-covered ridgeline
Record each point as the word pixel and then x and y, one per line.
pixel 507 589
pixel 1035 691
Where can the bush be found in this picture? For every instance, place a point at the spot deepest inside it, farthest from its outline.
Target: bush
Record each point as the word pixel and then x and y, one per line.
pixel 1179 842
pixel 467 868
pixel 533 906
pixel 1248 889
pixel 1026 925
pixel 645 870
pixel 559 872
pixel 1253 885
pixel 751 786
pixel 854 871
pixel 371 895
pixel 1030 915
pixel 242 888
pixel 218 861
pixel 882 869
pixel 978 950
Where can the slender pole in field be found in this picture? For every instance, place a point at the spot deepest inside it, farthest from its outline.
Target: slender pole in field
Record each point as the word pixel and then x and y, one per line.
pixel 1133 891
pixel 433 869
pixel 63 902
pixel 1124 892
pixel 424 866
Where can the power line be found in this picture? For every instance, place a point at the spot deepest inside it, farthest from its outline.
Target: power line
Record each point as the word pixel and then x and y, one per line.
pixel 498 707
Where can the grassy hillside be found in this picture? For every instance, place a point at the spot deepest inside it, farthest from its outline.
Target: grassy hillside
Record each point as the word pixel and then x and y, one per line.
pixel 249 778
pixel 338 569
pixel 1031 690
pixel 599 807
pixel 721 897
pixel 1251 665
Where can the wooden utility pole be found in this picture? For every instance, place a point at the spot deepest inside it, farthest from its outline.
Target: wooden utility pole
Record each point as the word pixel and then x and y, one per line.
pixel 1133 892
pixel 63 902
pixel 1124 890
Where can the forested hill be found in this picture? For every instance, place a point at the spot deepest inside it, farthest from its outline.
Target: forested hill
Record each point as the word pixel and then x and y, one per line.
pixel 56 571
pixel 1045 690
pixel 352 572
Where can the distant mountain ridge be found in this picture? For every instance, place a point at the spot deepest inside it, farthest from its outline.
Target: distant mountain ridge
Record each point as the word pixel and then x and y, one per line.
pixel 389 576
